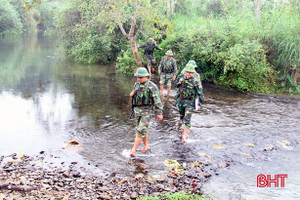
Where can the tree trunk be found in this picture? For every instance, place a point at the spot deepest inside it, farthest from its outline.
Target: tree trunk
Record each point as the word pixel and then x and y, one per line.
pixel 169 9
pixel 132 41
pixel 295 75
pixel 135 51
pixel 257 9
pixel 133 34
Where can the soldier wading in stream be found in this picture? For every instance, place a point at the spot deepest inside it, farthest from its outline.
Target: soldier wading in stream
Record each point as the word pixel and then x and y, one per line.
pixel 188 90
pixel 145 100
pixel 167 71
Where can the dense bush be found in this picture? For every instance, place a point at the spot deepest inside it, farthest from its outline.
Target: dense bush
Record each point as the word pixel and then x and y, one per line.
pixel 125 62
pixel 10 23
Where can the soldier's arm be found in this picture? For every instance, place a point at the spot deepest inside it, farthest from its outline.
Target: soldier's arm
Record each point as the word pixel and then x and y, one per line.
pixel 179 80
pixel 199 91
pixel 135 87
pixel 175 68
pixel 157 102
pixel 161 65
pixel 157 47
pixel 142 46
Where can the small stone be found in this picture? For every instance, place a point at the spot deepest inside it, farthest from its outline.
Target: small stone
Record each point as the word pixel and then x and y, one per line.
pixel 134 195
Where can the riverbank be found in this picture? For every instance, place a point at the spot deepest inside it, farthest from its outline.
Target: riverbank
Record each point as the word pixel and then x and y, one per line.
pixel 23 178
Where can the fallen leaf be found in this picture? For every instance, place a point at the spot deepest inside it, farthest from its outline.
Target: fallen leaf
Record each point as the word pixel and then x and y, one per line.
pixel 73 142
pixel 218 146
pixel 248 144
pixel 282 145
pixel 269 148
pixel 286 142
pixel 202 154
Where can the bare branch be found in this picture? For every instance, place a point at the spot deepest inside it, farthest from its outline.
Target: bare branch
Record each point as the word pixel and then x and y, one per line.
pixel 123 30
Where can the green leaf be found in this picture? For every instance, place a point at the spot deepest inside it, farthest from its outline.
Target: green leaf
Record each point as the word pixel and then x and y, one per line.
pixel 282 77
pixel 282 83
pixel 290 79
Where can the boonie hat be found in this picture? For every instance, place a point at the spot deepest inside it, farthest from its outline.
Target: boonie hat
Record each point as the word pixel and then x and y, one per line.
pixel 190 68
pixel 193 63
pixel 150 40
pixel 169 53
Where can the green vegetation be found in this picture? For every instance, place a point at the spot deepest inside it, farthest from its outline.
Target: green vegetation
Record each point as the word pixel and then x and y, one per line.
pixel 10 22
pixel 175 196
pixel 247 45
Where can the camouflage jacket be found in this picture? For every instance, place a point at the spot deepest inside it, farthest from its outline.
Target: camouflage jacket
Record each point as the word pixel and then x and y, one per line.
pixel 153 93
pixel 189 89
pixel 168 66
pixel 149 48
pixel 196 76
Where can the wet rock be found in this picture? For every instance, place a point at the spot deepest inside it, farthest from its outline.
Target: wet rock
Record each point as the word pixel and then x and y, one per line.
pixel 224 164
pixel 269 148
pixel 76 174
pixel 134 195
pixel 125 196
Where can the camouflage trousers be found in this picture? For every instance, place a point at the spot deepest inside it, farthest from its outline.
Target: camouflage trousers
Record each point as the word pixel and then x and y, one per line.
pixel 150 60
pixel 166 78
pixel 185 108
pixel 142 119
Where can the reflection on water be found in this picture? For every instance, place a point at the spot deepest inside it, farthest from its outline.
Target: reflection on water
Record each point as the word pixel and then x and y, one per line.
pixel 46 100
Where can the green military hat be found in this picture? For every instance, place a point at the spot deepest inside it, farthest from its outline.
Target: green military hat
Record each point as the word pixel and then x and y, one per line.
pixel 193 63
pixel 150 40
pixel 190 68
pixel 169 53
pixel 141 72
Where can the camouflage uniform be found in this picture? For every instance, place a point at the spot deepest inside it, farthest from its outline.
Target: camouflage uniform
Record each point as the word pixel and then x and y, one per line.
pixel 187 92
pixel 168 69
pixel 146 97
pixel 149 52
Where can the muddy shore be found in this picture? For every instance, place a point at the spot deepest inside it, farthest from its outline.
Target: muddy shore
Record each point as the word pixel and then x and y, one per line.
pixel 21 177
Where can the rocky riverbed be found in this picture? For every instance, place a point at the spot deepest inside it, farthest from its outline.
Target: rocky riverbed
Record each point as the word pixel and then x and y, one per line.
pixel 22 177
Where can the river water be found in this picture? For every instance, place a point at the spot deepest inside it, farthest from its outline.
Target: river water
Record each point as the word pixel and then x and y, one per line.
pixel 46 100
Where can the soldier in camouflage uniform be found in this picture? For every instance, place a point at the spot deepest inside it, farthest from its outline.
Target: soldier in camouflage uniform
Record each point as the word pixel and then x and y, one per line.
pixel 149 53
pixel 167 71
pixel 145 96
pixel 196 76
pixel 188 89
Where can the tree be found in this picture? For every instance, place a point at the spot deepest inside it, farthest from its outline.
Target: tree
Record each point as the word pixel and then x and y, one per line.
pixel 170 8
pixel 132 17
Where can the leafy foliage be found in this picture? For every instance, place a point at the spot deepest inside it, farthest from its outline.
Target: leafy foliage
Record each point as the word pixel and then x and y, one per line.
pixel 175 196
pixel 85 37
pixel 10 22
pixel 125 62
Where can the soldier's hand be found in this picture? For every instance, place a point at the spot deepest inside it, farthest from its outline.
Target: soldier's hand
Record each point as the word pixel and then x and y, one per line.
pixel 159 117
pixel 173 78
pixel 181 80
pixel 199 108
pixel 132 93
